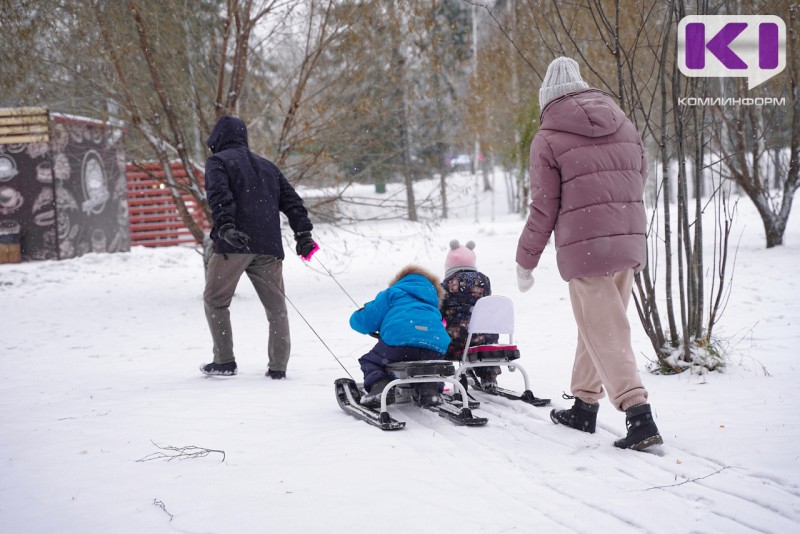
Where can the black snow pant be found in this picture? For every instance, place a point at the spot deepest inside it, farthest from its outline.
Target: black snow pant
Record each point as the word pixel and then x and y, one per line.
pixel 373 363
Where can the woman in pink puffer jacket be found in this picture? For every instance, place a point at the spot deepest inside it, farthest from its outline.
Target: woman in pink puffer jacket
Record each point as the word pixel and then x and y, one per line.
pixel 587 176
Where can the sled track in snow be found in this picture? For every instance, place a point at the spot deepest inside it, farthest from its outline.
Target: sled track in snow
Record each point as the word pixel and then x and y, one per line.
pixel 558 458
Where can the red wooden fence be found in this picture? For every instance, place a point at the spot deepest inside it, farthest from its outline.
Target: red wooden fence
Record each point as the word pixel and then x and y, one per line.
pixel 154 217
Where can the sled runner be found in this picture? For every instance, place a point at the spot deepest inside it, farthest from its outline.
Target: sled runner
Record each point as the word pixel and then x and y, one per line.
pixel 348 394
pixel 494 314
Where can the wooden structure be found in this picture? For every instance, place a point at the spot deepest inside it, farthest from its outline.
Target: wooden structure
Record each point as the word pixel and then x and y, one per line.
pixel 62 184
pixel 154 218
pixel 24 125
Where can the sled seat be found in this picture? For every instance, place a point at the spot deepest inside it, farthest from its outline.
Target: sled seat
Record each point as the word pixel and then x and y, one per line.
pixel 408 375
pixel 421 368
pixel 493 353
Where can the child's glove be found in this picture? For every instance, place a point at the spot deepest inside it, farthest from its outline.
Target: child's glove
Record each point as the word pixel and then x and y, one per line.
pixel 524 278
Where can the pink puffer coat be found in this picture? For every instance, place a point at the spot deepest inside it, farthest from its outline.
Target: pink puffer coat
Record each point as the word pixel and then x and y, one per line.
pixel 587 181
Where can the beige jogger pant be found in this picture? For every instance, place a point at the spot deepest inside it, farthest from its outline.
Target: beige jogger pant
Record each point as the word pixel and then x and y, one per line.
pixel 604 356
pixel 266 274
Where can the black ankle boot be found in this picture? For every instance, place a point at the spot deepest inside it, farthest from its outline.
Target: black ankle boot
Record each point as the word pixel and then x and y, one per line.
pixel 219 369
pixel 582 416
pixel 373 398
pixel 642 430
pixel 427 394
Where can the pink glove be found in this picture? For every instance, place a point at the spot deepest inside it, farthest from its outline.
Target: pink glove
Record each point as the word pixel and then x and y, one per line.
pixel 311 253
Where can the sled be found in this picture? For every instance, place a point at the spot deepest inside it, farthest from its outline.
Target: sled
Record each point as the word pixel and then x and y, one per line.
pixel 494 314
pixel 348 394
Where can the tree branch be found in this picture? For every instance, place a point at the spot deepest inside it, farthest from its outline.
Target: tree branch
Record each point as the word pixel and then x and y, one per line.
pixel 179 453
pixel 690 480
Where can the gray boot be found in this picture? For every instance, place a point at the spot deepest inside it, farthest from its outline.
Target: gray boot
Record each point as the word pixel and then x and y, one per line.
pixel 427 394
pixel 373 398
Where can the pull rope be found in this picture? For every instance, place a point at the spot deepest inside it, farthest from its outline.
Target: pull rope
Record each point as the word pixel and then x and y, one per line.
pixel 337 282
pixel 311 327
pixel 315 332
pixel 247 249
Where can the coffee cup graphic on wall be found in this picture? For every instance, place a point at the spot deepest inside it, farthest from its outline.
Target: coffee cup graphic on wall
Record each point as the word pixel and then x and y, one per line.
pixel 10 200
pixel 95 183
pixel 732 46
pixel 44 172
pixel 8 169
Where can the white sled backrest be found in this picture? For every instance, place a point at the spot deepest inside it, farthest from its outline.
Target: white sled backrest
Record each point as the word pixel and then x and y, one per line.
pixel 493 314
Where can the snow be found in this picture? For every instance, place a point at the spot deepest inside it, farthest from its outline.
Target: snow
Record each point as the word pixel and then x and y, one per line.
pixel 101 355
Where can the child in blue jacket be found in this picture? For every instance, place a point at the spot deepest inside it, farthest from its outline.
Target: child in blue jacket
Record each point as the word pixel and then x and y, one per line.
pixel 407 319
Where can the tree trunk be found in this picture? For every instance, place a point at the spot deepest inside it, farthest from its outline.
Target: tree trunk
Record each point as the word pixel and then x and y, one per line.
pixel 667 182
pixel 399 68
pixel 774 228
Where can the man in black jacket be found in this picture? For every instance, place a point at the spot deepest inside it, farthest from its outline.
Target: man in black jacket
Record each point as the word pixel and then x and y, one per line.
pixel 246 194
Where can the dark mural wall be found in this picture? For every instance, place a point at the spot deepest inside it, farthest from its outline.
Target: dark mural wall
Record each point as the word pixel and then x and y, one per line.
pixel 69 195
pixel 27 197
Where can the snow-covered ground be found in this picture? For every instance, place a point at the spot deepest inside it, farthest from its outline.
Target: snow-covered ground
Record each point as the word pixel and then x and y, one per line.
pixel 100 358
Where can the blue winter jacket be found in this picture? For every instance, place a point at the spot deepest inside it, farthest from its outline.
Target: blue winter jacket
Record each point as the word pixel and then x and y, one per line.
pixel 406 314
pixel 249 192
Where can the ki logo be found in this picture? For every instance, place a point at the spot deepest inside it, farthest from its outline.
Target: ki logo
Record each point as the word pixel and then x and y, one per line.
pixel 742 46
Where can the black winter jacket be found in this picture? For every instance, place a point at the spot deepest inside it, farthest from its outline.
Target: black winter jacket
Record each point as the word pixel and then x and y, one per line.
pixel 249 192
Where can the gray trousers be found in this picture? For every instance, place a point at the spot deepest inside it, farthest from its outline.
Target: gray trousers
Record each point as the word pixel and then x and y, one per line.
pixel 266 274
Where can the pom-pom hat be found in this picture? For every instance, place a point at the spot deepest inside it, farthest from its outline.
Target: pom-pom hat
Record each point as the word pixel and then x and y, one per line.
pixel 460 258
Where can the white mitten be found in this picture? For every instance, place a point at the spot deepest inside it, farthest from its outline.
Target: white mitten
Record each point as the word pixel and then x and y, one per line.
pixel 524 278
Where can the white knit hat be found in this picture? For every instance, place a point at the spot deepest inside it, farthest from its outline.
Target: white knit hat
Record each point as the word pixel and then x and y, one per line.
pixel 563 77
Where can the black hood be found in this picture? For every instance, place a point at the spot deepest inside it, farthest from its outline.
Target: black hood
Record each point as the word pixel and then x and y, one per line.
pixel 229 132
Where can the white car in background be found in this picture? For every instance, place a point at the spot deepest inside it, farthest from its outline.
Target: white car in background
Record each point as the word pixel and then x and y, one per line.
pixel 461 161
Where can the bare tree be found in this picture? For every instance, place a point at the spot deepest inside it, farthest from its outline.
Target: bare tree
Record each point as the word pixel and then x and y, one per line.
pixel 759 147
pixel 166 143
